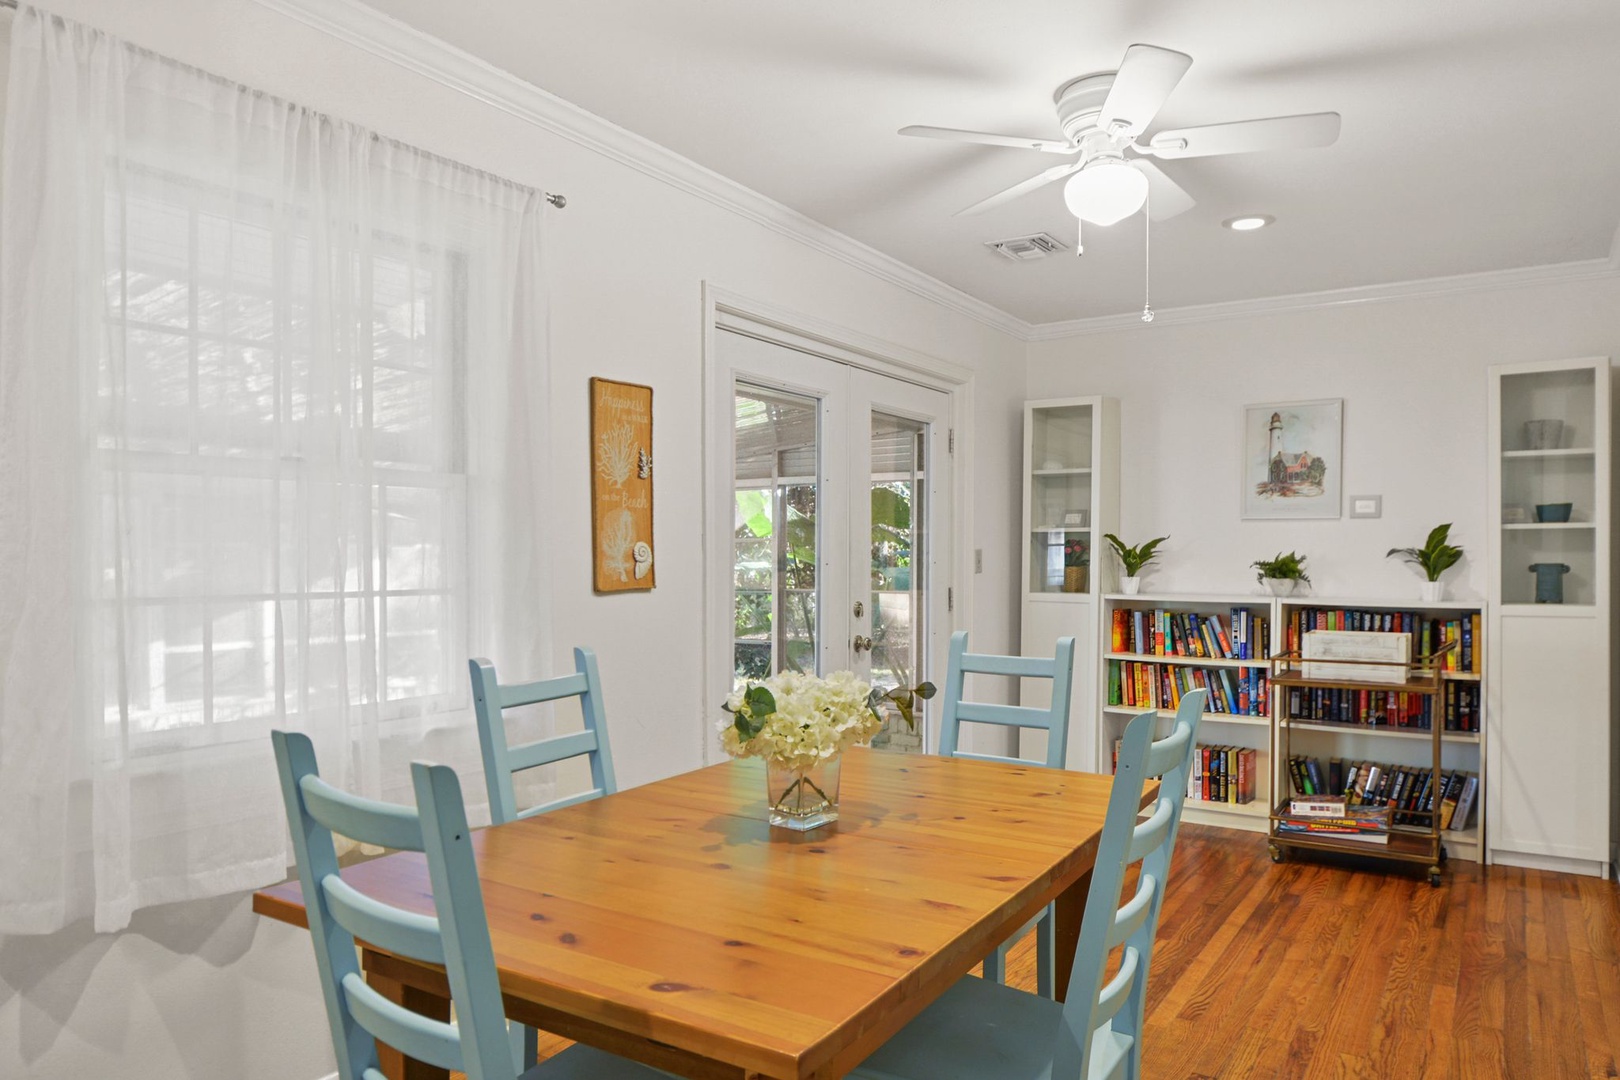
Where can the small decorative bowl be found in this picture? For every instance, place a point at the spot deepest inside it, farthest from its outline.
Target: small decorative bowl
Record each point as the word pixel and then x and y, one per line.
pixel 1553 512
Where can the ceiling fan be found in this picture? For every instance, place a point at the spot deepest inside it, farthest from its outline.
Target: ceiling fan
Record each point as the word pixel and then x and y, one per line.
pixel 1101 116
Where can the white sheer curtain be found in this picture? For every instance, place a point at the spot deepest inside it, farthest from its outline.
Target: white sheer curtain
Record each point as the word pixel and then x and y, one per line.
pixel 270 396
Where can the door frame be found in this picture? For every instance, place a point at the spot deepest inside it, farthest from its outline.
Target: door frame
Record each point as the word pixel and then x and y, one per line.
pixel 724 310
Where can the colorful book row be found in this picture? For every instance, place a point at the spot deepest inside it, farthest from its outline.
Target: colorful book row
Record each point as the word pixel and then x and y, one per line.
pixel 1428 633
pixel 1459 707
pixel 1411 794
pixel 1241 636
pixel 1223 774
pixel 1143 684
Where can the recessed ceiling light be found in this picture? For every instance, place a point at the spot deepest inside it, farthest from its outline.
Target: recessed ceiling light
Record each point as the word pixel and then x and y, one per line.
pixel 1248 222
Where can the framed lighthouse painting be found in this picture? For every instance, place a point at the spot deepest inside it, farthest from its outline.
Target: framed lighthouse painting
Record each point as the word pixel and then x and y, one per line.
pixel 1293 459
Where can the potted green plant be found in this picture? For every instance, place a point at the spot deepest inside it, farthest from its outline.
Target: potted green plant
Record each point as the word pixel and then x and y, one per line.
pixel 1434 558
pixel 1282 574
pixel 1132 560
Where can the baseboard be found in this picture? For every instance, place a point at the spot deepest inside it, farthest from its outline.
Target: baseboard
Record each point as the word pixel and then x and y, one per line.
pixel 1555 863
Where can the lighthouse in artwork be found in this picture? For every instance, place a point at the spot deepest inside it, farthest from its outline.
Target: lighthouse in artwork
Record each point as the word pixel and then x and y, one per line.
pixel 1276 437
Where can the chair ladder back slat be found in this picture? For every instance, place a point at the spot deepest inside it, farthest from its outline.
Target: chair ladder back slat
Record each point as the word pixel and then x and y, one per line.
pixel 1148 835
pixel 974 756
pixel 1114 996
pixel 1135 911
pixel 1029 667
pixel 981 712
pixel 361 820
pixel 430 1041
pixel 558 804
pixel 549 751
pixel 403 932
pixel 543 690
pixel 501 759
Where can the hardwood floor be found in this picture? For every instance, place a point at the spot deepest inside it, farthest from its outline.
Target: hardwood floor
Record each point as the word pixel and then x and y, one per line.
pixel 1353 970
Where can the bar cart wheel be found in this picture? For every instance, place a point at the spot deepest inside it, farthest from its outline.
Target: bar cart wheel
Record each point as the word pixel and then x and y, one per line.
pixel 1276 853
pixel 1434 876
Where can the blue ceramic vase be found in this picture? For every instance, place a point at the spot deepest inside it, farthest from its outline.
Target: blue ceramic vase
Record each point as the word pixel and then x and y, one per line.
pixel 1549 582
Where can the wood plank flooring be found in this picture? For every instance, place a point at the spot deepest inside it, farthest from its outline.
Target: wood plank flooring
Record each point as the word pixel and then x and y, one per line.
pixel 1347 969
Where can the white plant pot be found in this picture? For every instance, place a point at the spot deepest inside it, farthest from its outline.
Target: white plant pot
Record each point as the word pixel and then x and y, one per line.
pixel 1433 592
pixel 1130 586
pixel 1280 586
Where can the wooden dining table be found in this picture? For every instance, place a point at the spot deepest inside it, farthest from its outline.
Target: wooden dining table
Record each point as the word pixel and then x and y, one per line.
pixel 670 923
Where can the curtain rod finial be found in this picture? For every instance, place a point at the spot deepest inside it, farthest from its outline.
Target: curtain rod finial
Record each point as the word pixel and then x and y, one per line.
pixel 559 201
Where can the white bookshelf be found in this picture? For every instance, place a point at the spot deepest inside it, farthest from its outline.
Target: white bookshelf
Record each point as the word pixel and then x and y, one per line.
pixel 1217 728
pixel 1070 496
pixel 1551 719
pixel 1411 747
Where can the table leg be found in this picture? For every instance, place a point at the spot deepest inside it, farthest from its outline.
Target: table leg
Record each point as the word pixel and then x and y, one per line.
pixel 395 1065
pixel 1071 912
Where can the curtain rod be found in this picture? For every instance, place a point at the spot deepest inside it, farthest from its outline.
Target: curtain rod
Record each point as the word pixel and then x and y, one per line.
pixel 559 201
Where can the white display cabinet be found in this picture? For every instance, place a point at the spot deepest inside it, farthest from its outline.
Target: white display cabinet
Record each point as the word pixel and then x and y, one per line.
pixel 1550 738
pixel 1071 498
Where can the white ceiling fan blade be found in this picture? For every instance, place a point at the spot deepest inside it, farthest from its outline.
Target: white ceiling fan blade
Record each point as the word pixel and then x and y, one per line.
pixel 1057 172
pixel 1246 136
pixel 1166 198
pixel 1146 77
pixel 1051 146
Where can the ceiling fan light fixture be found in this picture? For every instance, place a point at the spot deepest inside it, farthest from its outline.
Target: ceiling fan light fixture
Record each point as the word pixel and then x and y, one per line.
pixel 1248 222
pixel 1106 191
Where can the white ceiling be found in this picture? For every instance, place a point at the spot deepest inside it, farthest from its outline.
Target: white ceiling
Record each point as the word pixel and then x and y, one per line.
pixel 1478 134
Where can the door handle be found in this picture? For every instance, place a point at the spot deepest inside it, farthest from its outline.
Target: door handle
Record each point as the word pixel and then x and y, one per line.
pixel 862 644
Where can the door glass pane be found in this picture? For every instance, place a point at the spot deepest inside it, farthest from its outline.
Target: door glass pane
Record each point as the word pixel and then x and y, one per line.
pixel 899 538
pixel 774 590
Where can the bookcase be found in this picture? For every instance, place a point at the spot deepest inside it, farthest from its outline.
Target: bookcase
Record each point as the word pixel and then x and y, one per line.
pixel 1551 714
pixel 1391 729
pixel 1071 498
pixel 1155 648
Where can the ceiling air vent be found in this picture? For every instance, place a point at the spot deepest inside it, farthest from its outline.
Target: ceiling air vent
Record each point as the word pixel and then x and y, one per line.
pixel 1024 248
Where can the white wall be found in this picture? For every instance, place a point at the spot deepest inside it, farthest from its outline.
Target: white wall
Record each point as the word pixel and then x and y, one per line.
pixel 1412 376
pixel 207 989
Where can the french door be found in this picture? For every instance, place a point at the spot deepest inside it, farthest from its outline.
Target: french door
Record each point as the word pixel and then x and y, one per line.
pixel 840 480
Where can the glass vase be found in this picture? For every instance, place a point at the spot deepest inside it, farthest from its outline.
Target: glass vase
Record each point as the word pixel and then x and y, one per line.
pixel 802 799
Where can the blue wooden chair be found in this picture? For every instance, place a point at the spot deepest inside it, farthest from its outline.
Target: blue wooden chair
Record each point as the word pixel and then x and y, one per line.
pixel 981 1030
pixel 501 760
pixel 1054 720
pixel 477 1041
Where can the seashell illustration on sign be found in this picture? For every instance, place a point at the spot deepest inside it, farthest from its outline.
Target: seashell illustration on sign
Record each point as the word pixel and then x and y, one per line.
pixel 642 555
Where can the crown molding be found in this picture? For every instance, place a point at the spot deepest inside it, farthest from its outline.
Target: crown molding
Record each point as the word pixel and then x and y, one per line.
pixel 1484 281
pixel 374 32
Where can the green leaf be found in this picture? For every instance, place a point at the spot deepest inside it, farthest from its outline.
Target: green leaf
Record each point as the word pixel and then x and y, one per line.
pixel 1437 537
pixel 925 690
pixel 761 703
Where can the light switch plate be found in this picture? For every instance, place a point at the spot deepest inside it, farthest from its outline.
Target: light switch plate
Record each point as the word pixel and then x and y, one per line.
pixel 1366 506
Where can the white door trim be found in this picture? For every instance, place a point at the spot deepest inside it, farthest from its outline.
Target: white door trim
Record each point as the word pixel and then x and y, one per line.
pixel 723 309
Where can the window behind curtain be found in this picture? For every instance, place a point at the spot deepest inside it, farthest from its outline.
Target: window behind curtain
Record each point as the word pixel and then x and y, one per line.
pixel 272 454
pixel 229 614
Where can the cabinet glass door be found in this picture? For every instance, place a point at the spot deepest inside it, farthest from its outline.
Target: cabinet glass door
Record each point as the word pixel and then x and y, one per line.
pixel 1549 487
pixel 1060 500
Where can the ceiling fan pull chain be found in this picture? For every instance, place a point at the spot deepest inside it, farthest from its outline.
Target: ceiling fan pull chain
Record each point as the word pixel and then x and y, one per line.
pixel 1079 237
pixel 1147 258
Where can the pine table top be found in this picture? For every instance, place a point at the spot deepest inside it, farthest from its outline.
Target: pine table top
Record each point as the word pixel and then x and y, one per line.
pixel 671 923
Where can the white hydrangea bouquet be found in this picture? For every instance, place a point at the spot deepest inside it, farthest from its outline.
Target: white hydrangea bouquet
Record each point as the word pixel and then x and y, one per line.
pixel 801 725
